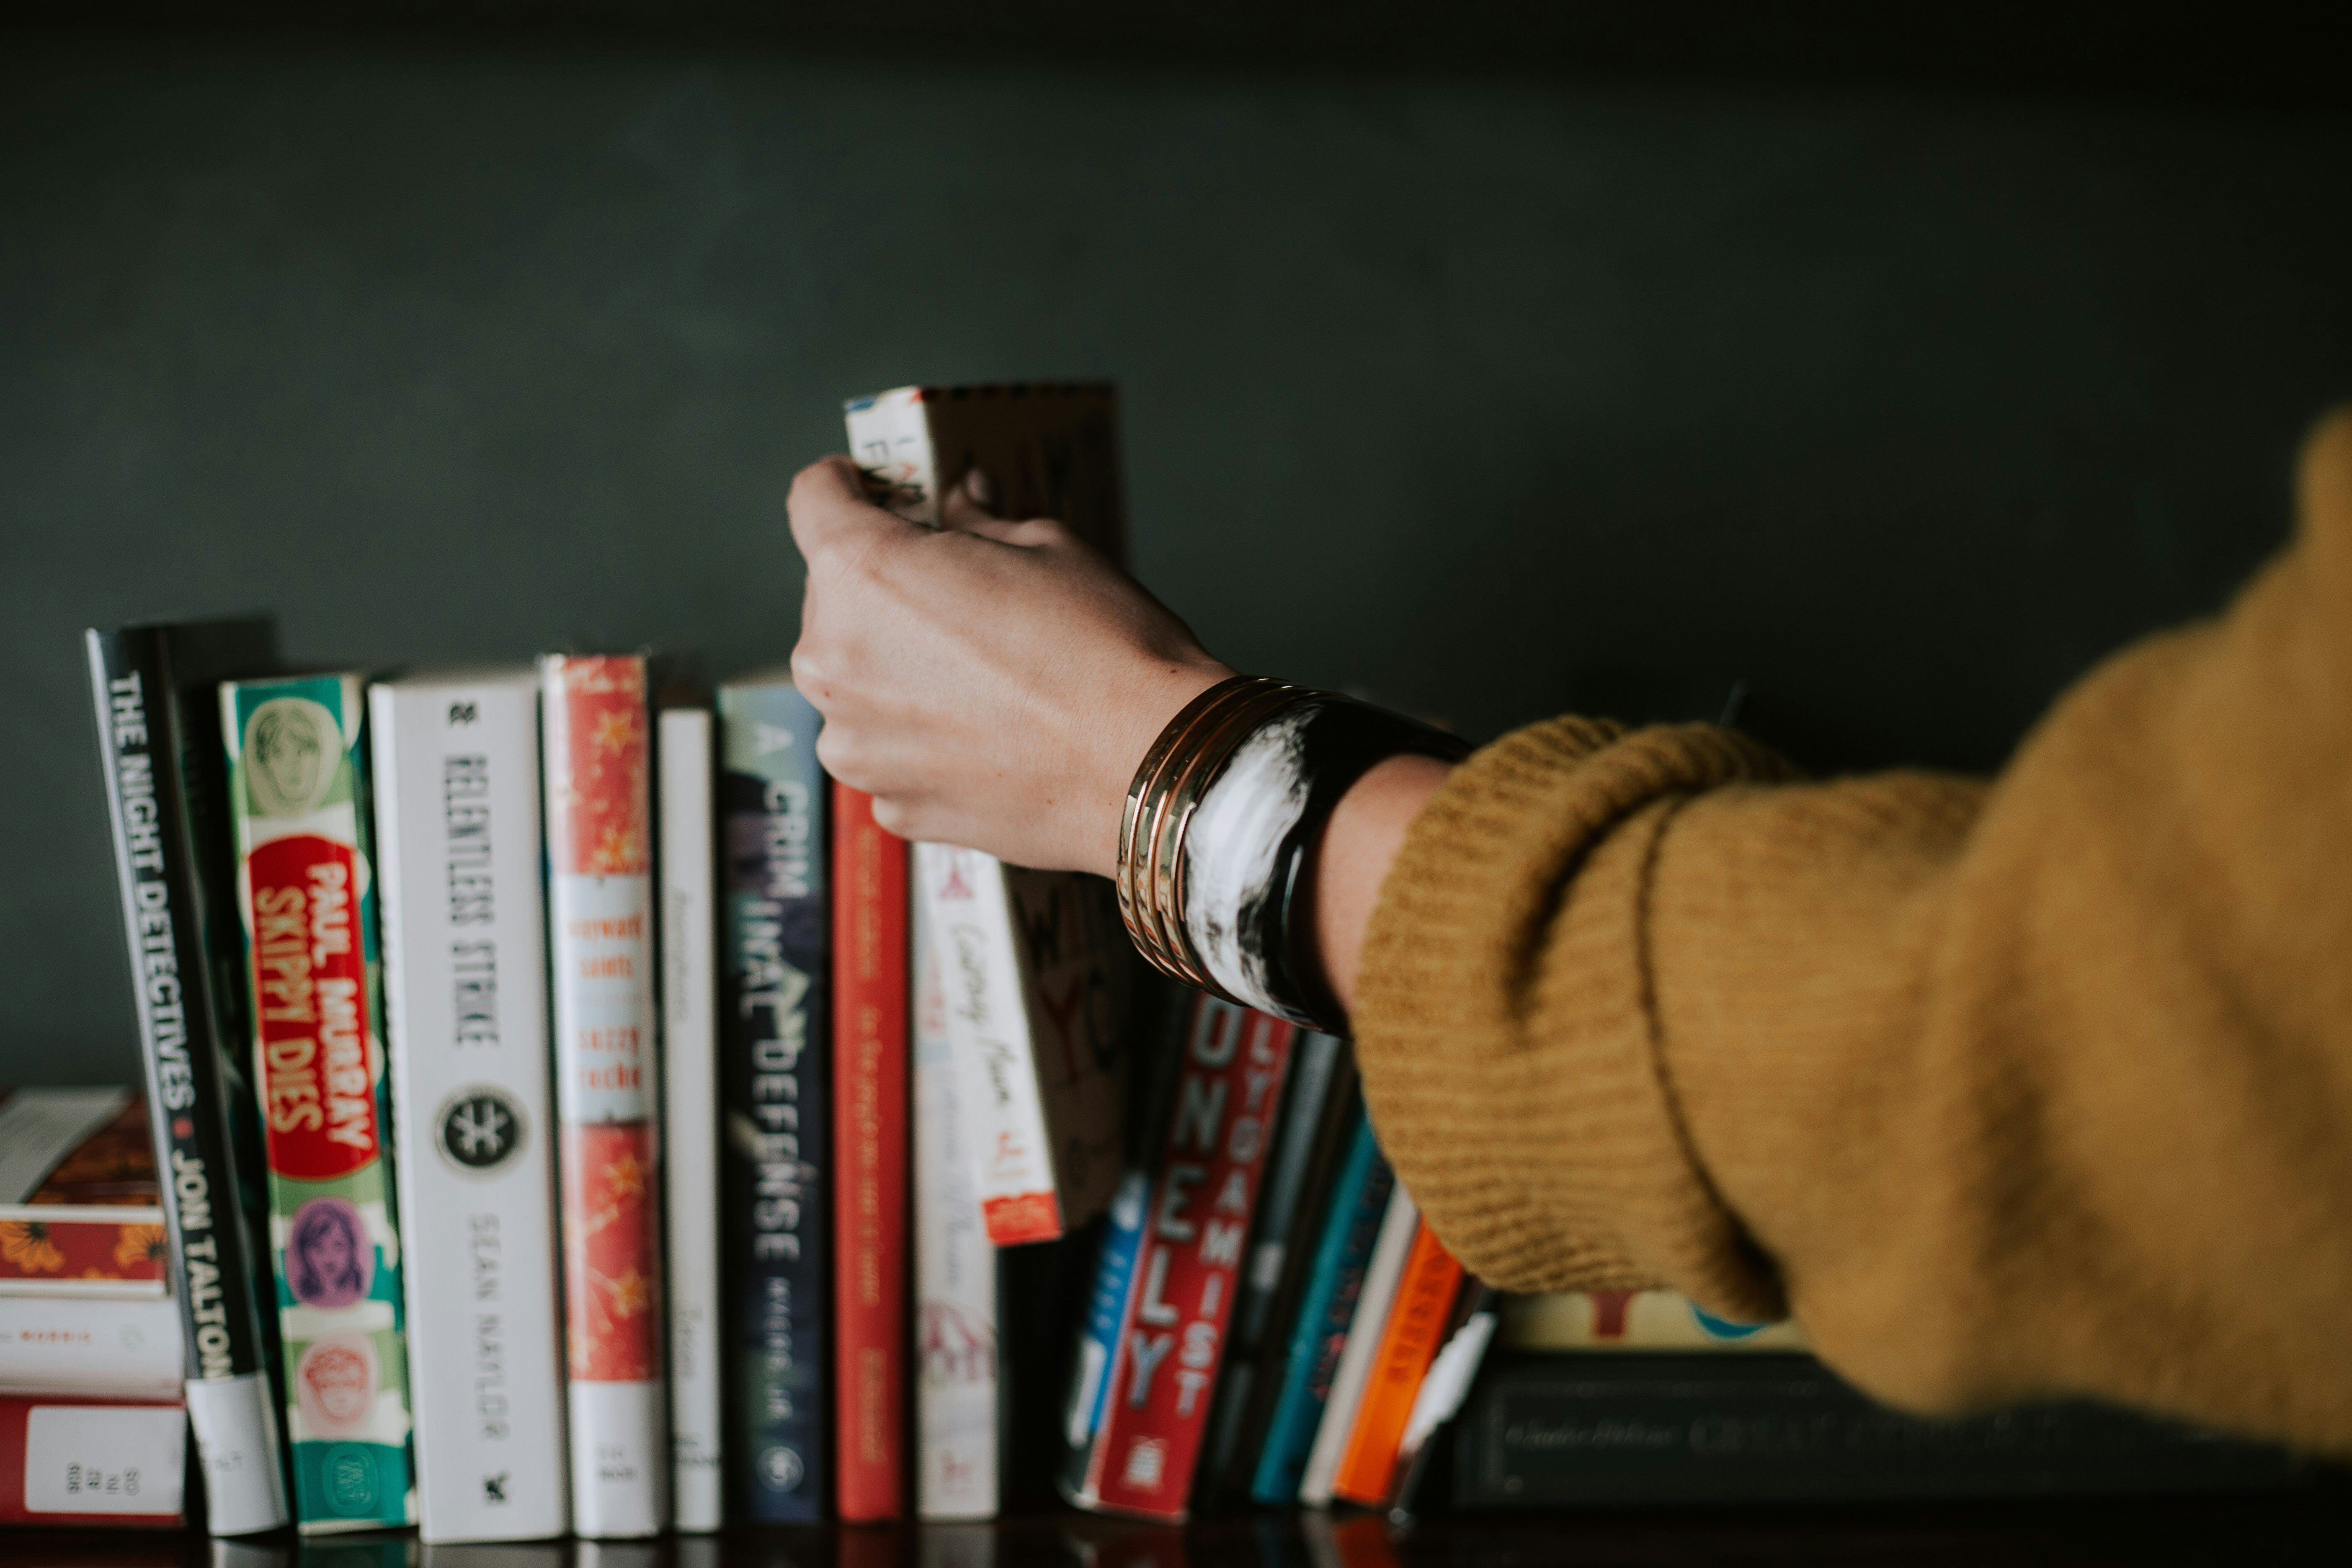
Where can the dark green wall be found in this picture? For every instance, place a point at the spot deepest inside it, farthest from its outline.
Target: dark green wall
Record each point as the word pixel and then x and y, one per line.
pixel 1483 398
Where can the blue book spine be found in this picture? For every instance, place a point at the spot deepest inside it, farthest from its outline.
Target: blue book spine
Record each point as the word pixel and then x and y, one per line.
pixel 1358 1198
pixel 1107 1305
pixel 775 1088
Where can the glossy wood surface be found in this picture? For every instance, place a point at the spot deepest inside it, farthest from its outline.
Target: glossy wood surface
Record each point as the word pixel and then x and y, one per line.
pixel 2310 1525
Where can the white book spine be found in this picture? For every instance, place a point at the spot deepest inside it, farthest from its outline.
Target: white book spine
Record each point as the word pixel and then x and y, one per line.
pixel 970 917
pixel 955 1273
pixel 458 837
pixel 688 922
pixel 91 1345
pixel 1383 1275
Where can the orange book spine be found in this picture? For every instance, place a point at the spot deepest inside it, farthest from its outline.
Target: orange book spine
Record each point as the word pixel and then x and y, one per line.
pixel 1424 1300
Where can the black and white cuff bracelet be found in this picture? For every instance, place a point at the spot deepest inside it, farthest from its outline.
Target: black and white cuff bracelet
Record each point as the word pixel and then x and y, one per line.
pixel 1217 843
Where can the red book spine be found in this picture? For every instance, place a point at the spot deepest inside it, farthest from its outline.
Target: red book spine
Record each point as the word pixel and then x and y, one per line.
pixel 70 1460
pixel 870 1024
pixel 1173 1338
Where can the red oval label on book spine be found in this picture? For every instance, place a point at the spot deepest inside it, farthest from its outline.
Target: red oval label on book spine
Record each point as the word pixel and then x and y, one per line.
pixel 309 997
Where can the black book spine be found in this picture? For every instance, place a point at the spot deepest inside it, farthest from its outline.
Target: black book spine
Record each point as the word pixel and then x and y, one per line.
pixel 213 1262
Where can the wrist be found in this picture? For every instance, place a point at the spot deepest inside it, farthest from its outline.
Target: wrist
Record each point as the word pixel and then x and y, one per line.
pixel 1152 697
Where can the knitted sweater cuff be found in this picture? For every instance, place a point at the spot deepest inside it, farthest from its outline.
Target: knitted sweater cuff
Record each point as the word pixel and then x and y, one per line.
pixel 1505 1028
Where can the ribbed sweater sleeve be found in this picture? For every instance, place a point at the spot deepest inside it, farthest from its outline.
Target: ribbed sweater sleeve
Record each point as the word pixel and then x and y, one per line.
pixel 2030 1088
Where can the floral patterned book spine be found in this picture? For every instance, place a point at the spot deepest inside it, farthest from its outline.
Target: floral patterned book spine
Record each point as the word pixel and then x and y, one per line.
pixel 601 952
pixel 297 800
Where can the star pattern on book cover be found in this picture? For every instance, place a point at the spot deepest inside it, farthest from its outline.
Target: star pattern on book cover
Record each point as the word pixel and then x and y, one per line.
pixel 599 771
pixel 612 1255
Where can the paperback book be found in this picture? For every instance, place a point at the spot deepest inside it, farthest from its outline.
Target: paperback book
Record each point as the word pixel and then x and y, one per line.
pixel 299 784
pixel 114 1463
pixel 600 916
pixel 159 732
pixel 81 1213
pixel 464 949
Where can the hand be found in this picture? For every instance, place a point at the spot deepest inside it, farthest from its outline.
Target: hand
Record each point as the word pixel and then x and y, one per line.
pixel 991 684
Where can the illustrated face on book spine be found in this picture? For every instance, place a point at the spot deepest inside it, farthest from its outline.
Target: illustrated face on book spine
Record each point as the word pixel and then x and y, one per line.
pixel 335 1382
pixel 292 746
pixel 329 1262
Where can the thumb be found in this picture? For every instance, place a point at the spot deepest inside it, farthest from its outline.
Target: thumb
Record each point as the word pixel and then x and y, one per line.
pixel 828 507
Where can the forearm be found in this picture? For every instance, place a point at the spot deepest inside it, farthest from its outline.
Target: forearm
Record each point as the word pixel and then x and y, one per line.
pixel 1358 846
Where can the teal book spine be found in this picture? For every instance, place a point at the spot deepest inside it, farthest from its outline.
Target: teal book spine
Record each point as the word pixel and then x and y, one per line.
pixel 1358 1200
pixel 300 812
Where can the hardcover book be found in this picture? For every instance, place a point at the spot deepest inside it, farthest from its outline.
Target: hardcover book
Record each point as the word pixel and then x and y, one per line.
pixel 112 1463
pixel 464 949
pixel 1178 1309
pixel 1036 972
pixel 1633 1321
pixel 869 1103
pixel 81 1210
pixel 690 926
pixel 955 1275
pixel 1049 1158
pixel 153 689
pixel 298 786
pixel 598 766
pixel 775 1088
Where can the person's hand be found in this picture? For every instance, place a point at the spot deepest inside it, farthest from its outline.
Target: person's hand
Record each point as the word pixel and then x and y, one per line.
pixel 991 684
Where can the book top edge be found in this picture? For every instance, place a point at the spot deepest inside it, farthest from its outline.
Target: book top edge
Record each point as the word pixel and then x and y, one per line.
pixel 982 391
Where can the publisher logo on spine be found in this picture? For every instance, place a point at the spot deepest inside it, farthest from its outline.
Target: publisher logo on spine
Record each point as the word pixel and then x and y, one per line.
pixel 479 1130
pixel 781 1469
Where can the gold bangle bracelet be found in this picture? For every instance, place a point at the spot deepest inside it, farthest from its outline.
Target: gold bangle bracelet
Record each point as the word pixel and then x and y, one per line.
pixel 1140 821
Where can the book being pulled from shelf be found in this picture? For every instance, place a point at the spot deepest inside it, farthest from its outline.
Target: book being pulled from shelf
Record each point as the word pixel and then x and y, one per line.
pixel 81 1213
pixel 1034 972
pixel 298 806
pixel 464 942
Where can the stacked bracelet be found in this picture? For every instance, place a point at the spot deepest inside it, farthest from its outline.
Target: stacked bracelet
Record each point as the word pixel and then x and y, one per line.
pixel 1222 823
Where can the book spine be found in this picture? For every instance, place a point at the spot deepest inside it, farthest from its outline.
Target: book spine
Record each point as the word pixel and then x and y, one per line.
pixel 1203 1198
pixel 776 1096
pixel 1416 1326
pixel 80 1461
pixel 1638 1320
pixel 955 1274
pixel 964 899
pixel 869 1103
pixel 298 754
pixel 464 949
pixel 1441 1397
pixel 1383 1274
pixel 687 753
pixel 1315 1070
pixel 99 1345
pixel 1326 1310
pixel 1105 1318
pixel 212 1262
pixel 600 916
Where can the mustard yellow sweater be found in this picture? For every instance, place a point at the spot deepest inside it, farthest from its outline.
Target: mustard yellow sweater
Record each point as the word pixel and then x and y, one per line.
pixel 2029 1087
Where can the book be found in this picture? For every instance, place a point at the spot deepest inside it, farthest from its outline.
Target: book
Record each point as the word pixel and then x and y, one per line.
pixel 1049 1161
pixel 1325 1312
pixel 1384 1273
pixel 465 964
pixel 81 1213
pixel 1548 1431
pixel 1036 983
pixel 1417 1325
pixel 107 1462
pixel 775 1088
pixel 598 782
pixel 955 1329
pixel 1632 1321
pixel 107 1344
pixel 1203 1196
pixel 153 690
pixel 869 1192
pixel 1307 1131
pixel 298 809
pixel 688 932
